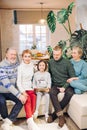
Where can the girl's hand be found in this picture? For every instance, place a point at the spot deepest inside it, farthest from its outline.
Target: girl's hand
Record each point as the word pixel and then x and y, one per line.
pixel 36 90
pixel 47 90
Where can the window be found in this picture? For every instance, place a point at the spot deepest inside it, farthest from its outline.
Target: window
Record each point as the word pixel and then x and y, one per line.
pixel 34 35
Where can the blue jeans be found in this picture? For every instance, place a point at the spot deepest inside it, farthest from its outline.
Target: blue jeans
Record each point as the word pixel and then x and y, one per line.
pixel 3 107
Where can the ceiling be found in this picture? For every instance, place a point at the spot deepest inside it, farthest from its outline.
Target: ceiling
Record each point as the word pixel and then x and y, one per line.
pixel 34 4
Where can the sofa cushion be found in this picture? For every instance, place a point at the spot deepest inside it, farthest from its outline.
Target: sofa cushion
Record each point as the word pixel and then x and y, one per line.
pixel 79 103
pixel 9 102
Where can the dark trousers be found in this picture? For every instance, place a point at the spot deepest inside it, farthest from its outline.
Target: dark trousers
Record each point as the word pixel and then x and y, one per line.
pixel 59 106
pixel 3 107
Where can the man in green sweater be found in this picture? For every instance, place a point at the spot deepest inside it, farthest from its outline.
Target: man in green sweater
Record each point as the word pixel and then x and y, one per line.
pixel 61 70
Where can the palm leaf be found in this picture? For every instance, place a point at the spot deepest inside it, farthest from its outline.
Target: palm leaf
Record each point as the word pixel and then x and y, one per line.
pixel 51 21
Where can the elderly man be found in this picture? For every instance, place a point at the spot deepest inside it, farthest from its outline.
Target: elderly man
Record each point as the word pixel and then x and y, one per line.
pixel 61 70
pixel 8 90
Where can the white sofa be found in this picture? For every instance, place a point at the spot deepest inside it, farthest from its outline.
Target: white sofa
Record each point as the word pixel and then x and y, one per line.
pixel 41 108
pixel 77 109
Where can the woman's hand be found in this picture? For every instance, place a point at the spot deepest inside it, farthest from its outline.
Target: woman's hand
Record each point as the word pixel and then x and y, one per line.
pixel 25 94
pixel 71 79
pixel 22 98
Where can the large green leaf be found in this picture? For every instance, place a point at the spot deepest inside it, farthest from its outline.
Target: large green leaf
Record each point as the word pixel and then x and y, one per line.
pixel 63 14
pixel 51 21
pixel 70 7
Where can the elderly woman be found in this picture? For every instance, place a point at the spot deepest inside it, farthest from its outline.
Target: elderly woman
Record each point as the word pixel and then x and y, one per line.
pixel 79 83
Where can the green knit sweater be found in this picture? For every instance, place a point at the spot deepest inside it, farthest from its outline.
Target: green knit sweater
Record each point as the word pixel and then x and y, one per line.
pixel 60 71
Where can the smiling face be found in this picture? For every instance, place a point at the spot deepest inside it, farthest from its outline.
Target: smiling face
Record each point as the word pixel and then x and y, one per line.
pixel 26 58
pixel 42 66
pixel 76 53
pixel 11 55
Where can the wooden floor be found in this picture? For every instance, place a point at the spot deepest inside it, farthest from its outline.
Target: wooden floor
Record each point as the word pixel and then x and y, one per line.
pixel 71 125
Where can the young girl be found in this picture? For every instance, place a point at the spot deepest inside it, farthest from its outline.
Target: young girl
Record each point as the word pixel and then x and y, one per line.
pixel 42 84
pixel 24 83
pixel 79 83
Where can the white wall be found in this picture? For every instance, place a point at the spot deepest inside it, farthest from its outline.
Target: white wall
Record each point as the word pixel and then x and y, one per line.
pixel 81 11
pixel 9 32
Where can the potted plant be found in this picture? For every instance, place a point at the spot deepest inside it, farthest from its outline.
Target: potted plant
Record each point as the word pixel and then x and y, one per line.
pixel 78 37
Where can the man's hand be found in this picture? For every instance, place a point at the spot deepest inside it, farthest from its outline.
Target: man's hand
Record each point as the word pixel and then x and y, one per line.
pixel 62 90
pixel 22 98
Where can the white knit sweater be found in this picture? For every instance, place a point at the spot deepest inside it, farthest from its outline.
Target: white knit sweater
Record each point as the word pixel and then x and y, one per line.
pixel 24 77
